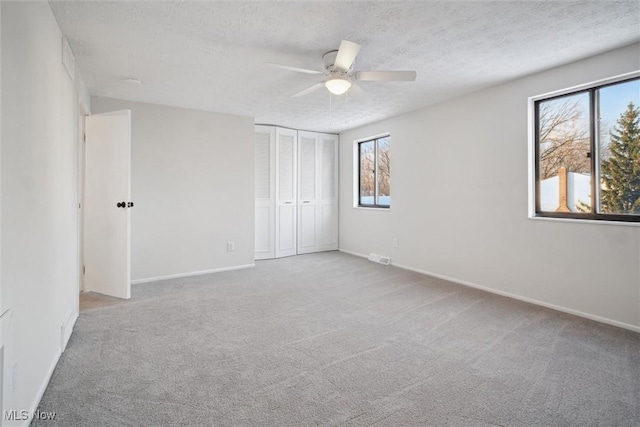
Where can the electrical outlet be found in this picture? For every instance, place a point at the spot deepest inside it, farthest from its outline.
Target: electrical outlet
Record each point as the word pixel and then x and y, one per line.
pixel 395 242
pixel 231 246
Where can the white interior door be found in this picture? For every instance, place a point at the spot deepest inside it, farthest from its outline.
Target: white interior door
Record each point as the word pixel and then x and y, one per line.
pixel 286 162
pixel 107 229
pixel 264 164
pixel 307 199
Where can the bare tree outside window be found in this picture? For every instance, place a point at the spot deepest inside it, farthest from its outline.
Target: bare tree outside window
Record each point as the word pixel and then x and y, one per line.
pixel 367 172
pixel 588 153
pixel 374 173
pixel 564 135
pixel 384 172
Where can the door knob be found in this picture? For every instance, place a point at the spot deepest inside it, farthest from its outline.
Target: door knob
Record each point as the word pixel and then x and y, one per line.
pixel 121 204
pixel 130 204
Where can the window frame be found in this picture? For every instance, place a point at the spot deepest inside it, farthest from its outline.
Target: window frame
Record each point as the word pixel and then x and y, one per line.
pixel 534 150
pixel 358 161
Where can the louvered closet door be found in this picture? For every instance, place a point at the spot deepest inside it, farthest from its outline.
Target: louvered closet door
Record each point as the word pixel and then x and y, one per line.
pixel 318 192
pixel 286 145
pixel 327 210
pixel 307 196
pixel 265 190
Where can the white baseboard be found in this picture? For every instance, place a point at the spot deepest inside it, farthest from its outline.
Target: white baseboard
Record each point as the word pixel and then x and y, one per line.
pixel 354 253
pixel 513 296
pixel 69 324
pixel 193 273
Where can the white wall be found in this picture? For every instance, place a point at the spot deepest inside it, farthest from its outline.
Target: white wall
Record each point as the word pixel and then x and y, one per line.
pixel 2 338
pixel 192 185
pixel 39 195
pixel 459 202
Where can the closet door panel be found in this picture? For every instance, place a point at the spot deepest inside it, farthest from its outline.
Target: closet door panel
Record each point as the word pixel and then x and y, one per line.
pixel 307 231
pixel 328 204
pixel 328 150
pixel 286 166
pixel 264 242
pixel 307 165
pixel 307 197
pixel 318 196
pixel 287 232
pixel 264 162
pixel 329 227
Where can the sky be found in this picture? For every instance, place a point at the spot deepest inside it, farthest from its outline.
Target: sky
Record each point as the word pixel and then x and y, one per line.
pixel 614 100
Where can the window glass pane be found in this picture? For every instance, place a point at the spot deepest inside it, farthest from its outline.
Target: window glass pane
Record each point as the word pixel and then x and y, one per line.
pixel 384 173
pixel 564 163
pixel 367 175
pixel 619 146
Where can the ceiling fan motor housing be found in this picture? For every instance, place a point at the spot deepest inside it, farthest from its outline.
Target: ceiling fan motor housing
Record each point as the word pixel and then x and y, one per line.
pixel 329 59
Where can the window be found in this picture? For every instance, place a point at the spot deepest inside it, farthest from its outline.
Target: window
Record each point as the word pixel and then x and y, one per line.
pixel 587 153
pixel 374 173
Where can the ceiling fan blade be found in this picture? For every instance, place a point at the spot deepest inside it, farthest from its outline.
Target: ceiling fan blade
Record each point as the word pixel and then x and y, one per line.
pixel 356 90
pixel 308 90
pixel 296 69
pixel 386 76
pixel 346 55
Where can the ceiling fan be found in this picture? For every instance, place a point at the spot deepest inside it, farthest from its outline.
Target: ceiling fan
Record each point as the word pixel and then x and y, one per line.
pixel 340 75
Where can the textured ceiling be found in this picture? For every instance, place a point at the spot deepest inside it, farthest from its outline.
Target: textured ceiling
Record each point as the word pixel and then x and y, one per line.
pixel 211 55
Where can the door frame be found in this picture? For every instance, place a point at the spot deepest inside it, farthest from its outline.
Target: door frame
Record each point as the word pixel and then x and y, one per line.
pixel 83 112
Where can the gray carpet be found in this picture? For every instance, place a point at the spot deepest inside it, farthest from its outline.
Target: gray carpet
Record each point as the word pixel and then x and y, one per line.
pixel 331 339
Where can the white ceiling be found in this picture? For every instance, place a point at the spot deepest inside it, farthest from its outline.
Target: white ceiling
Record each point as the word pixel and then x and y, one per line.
pixel 211 55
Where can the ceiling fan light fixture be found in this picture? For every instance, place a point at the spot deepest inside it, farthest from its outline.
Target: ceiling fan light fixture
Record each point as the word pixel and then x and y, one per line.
pixel 338 85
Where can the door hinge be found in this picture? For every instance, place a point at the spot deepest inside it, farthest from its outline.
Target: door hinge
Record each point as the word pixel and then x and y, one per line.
pixel 84 269
pixel 84 137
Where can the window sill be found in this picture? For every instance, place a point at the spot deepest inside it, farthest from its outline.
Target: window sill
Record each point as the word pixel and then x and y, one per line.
pixel 585 221
pixel 366 208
